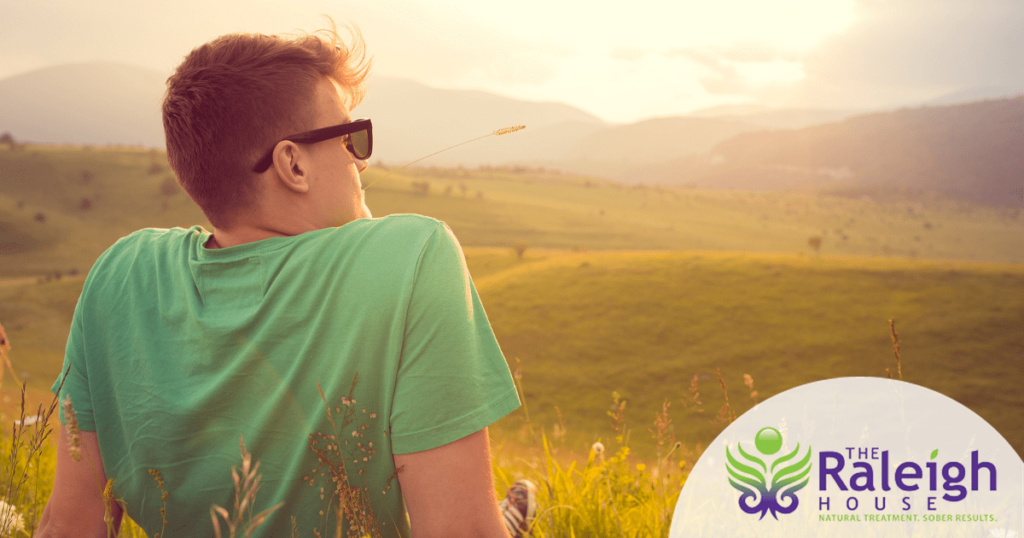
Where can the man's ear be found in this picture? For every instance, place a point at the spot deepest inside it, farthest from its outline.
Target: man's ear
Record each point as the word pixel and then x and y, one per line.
pixel 292 166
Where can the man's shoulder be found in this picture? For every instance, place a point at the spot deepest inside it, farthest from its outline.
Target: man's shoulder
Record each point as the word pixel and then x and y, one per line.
pixel 149 240
pixel 154 236
pixel 399 231
pixel 153 244
pixel 408 222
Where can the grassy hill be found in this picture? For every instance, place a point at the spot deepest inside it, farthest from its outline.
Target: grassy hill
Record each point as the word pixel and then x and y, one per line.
pixel 501 207
pixel 969 151
pixel 644 323
pixel 627 289
pixel 87 198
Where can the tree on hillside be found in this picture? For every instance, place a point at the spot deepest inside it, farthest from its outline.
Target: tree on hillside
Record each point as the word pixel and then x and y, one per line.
pixel 169 186
pixel 6 138
pixel 520 249
pixel 421 188
pixel 815 243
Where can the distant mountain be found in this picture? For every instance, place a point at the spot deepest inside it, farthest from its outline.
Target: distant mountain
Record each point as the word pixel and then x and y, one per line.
pixel 775 118
pixel 730 110
pixel 616 152
pixel 607 151
pixel 94 103
pixel 411 120
pixel 103 103
pixel 971 151
pixel 970 95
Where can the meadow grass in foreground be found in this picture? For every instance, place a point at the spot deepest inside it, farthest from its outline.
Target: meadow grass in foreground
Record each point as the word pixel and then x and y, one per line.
pixel 609 494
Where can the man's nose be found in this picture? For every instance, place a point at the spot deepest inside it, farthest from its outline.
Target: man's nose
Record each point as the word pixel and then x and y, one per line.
pixel 362 165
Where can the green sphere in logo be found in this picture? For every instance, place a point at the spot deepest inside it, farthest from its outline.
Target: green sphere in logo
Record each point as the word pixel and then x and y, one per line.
pixel 768 441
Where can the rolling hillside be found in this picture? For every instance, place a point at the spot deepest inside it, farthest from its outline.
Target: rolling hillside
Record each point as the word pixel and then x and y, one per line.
pixel 60 207
pixel 971 152
pixel 645 323
pixel 744 290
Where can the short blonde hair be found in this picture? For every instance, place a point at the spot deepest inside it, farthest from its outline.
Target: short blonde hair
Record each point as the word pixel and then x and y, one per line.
pixel 236 96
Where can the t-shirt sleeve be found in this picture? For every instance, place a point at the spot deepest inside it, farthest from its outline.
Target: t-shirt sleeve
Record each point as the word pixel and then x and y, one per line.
pixel 452 379
pixel 73 382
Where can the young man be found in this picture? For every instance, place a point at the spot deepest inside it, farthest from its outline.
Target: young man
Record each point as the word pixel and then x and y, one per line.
pixel 300 324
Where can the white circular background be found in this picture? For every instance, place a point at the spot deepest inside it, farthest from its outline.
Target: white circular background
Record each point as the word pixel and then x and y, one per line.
pixel 860 412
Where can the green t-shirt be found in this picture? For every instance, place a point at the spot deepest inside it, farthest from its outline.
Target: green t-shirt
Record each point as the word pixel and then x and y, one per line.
pixel 176 351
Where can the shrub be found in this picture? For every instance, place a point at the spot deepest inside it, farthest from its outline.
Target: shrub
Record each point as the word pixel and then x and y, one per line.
pixel 815 243
pixel 520 249
pixel 421 188
pixel 169 186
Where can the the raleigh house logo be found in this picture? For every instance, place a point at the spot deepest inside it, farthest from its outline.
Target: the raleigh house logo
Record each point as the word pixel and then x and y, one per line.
pixel 768 486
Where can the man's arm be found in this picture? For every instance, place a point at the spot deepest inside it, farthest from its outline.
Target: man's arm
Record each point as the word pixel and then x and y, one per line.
pixel 449 490
pixel 76 507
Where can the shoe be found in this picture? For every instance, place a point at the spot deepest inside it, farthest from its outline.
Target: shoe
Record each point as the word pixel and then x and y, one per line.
pixel 519 507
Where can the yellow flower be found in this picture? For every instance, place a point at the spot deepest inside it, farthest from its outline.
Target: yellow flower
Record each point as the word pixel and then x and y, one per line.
pixel 640 467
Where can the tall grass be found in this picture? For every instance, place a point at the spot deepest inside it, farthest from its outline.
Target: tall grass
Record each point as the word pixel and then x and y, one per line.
pixel 28 459
pixel 611 494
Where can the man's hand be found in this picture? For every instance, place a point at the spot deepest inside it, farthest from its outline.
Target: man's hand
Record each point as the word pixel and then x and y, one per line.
pixel 76 506
pixel 449 490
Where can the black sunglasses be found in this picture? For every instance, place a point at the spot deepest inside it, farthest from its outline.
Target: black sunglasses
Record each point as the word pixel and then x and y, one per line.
pixel 358 133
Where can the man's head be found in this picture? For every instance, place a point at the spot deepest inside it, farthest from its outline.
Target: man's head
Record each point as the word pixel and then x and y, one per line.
pixel 235 97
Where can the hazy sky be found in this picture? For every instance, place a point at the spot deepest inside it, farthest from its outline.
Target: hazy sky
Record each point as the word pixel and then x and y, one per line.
pixel 622 61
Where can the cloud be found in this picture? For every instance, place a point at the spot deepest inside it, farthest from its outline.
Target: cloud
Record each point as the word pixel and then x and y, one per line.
pixel 405 37
pixel 898 52
pixel 739 68
pixel 626 54
pixel 920 47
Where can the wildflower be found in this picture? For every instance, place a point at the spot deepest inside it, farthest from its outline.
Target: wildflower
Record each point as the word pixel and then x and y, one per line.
pixel 74 439
pixel 640 467
pixel 598 448
pixel 10 519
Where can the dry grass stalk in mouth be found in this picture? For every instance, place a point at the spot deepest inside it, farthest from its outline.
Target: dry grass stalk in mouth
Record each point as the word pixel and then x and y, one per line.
pixel 496 132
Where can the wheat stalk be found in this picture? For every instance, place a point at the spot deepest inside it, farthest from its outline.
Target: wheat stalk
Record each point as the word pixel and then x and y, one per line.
pixel 497 132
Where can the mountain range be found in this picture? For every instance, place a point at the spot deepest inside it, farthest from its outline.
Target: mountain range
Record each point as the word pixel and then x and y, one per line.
pixel 969 150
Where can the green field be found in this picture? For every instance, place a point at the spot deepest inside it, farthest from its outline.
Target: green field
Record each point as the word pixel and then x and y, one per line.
pixel 633 290
pixel 127 189
pixel 643 323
